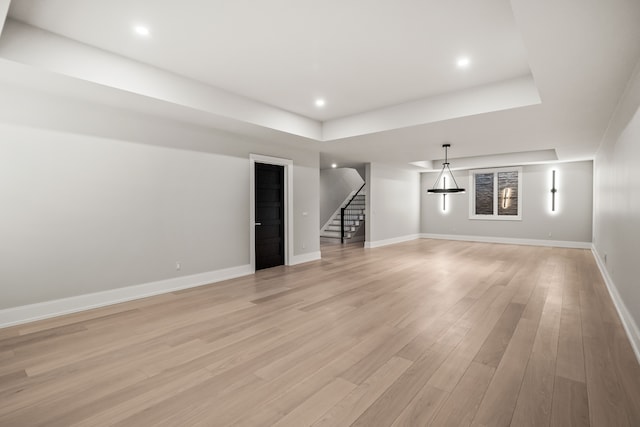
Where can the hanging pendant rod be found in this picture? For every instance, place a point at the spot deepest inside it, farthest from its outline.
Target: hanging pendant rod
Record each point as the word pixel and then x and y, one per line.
pixel 445 166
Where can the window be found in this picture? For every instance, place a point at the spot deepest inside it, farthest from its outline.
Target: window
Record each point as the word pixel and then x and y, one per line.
pixel 495 194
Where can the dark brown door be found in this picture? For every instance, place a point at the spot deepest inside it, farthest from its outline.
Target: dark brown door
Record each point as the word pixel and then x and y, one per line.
pixel 269 215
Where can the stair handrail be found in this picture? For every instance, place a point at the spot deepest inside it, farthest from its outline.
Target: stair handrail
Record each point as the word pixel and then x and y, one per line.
pixel 342 213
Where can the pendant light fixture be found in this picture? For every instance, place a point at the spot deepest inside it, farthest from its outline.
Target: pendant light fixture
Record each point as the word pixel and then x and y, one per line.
pixel 445 166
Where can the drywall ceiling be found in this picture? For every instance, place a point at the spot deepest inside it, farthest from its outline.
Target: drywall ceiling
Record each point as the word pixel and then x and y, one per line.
pixel 542 75
pixel 358 55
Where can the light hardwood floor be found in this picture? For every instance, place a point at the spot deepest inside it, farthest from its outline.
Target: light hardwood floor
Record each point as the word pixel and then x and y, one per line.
pixel 426 332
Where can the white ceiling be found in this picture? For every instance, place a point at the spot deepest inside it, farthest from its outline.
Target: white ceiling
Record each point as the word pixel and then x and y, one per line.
pixel 544 75
pixel 358 55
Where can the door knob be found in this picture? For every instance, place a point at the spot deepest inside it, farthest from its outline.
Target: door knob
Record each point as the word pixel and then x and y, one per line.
pixel 258 223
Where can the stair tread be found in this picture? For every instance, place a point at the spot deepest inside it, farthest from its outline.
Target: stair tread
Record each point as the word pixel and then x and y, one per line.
pixel 353 219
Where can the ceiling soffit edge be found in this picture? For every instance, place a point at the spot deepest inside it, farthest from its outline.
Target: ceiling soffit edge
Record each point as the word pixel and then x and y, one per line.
pixel 32 46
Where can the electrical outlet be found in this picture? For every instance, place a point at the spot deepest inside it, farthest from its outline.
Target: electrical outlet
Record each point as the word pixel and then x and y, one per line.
pixel 549 234
pixel 178 266
pixel 304 245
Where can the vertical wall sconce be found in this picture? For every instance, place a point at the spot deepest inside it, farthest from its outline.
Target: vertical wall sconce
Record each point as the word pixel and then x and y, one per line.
pixel 554 190
pixel 444 196
pixel 506 198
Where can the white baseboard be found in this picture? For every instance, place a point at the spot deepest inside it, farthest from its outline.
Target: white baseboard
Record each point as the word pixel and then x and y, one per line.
pixel 43 310
pixel 300 259
pixel 392 241
pixel 510 241
pixel 630 326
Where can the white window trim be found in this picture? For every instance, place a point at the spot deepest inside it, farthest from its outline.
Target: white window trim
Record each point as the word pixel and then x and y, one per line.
pixel 495 216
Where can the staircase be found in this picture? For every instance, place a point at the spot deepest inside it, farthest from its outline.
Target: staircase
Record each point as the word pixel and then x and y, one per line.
pixel 353 218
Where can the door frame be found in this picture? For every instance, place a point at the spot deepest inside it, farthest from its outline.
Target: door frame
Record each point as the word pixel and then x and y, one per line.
pixel 288 205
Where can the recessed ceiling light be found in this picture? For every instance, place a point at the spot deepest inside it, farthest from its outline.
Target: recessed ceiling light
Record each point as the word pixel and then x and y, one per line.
pixel 320 102
pixel 463 62
pixel 333 165
pixel 141 30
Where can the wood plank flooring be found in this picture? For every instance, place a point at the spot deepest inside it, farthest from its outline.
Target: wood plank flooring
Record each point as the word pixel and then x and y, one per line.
pixel 428 332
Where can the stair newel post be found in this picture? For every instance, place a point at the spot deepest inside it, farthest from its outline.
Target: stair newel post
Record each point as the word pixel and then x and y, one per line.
pixel 342 225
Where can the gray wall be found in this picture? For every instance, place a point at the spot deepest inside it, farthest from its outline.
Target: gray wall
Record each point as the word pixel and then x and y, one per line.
pixel 571 222
pixel 82 213
pixel 335 185
pixel 617 207
pixel 394 203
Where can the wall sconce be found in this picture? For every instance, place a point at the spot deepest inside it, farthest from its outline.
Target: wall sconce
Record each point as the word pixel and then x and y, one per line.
pixel 554 190
pixel 506 198
pixel 444 195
